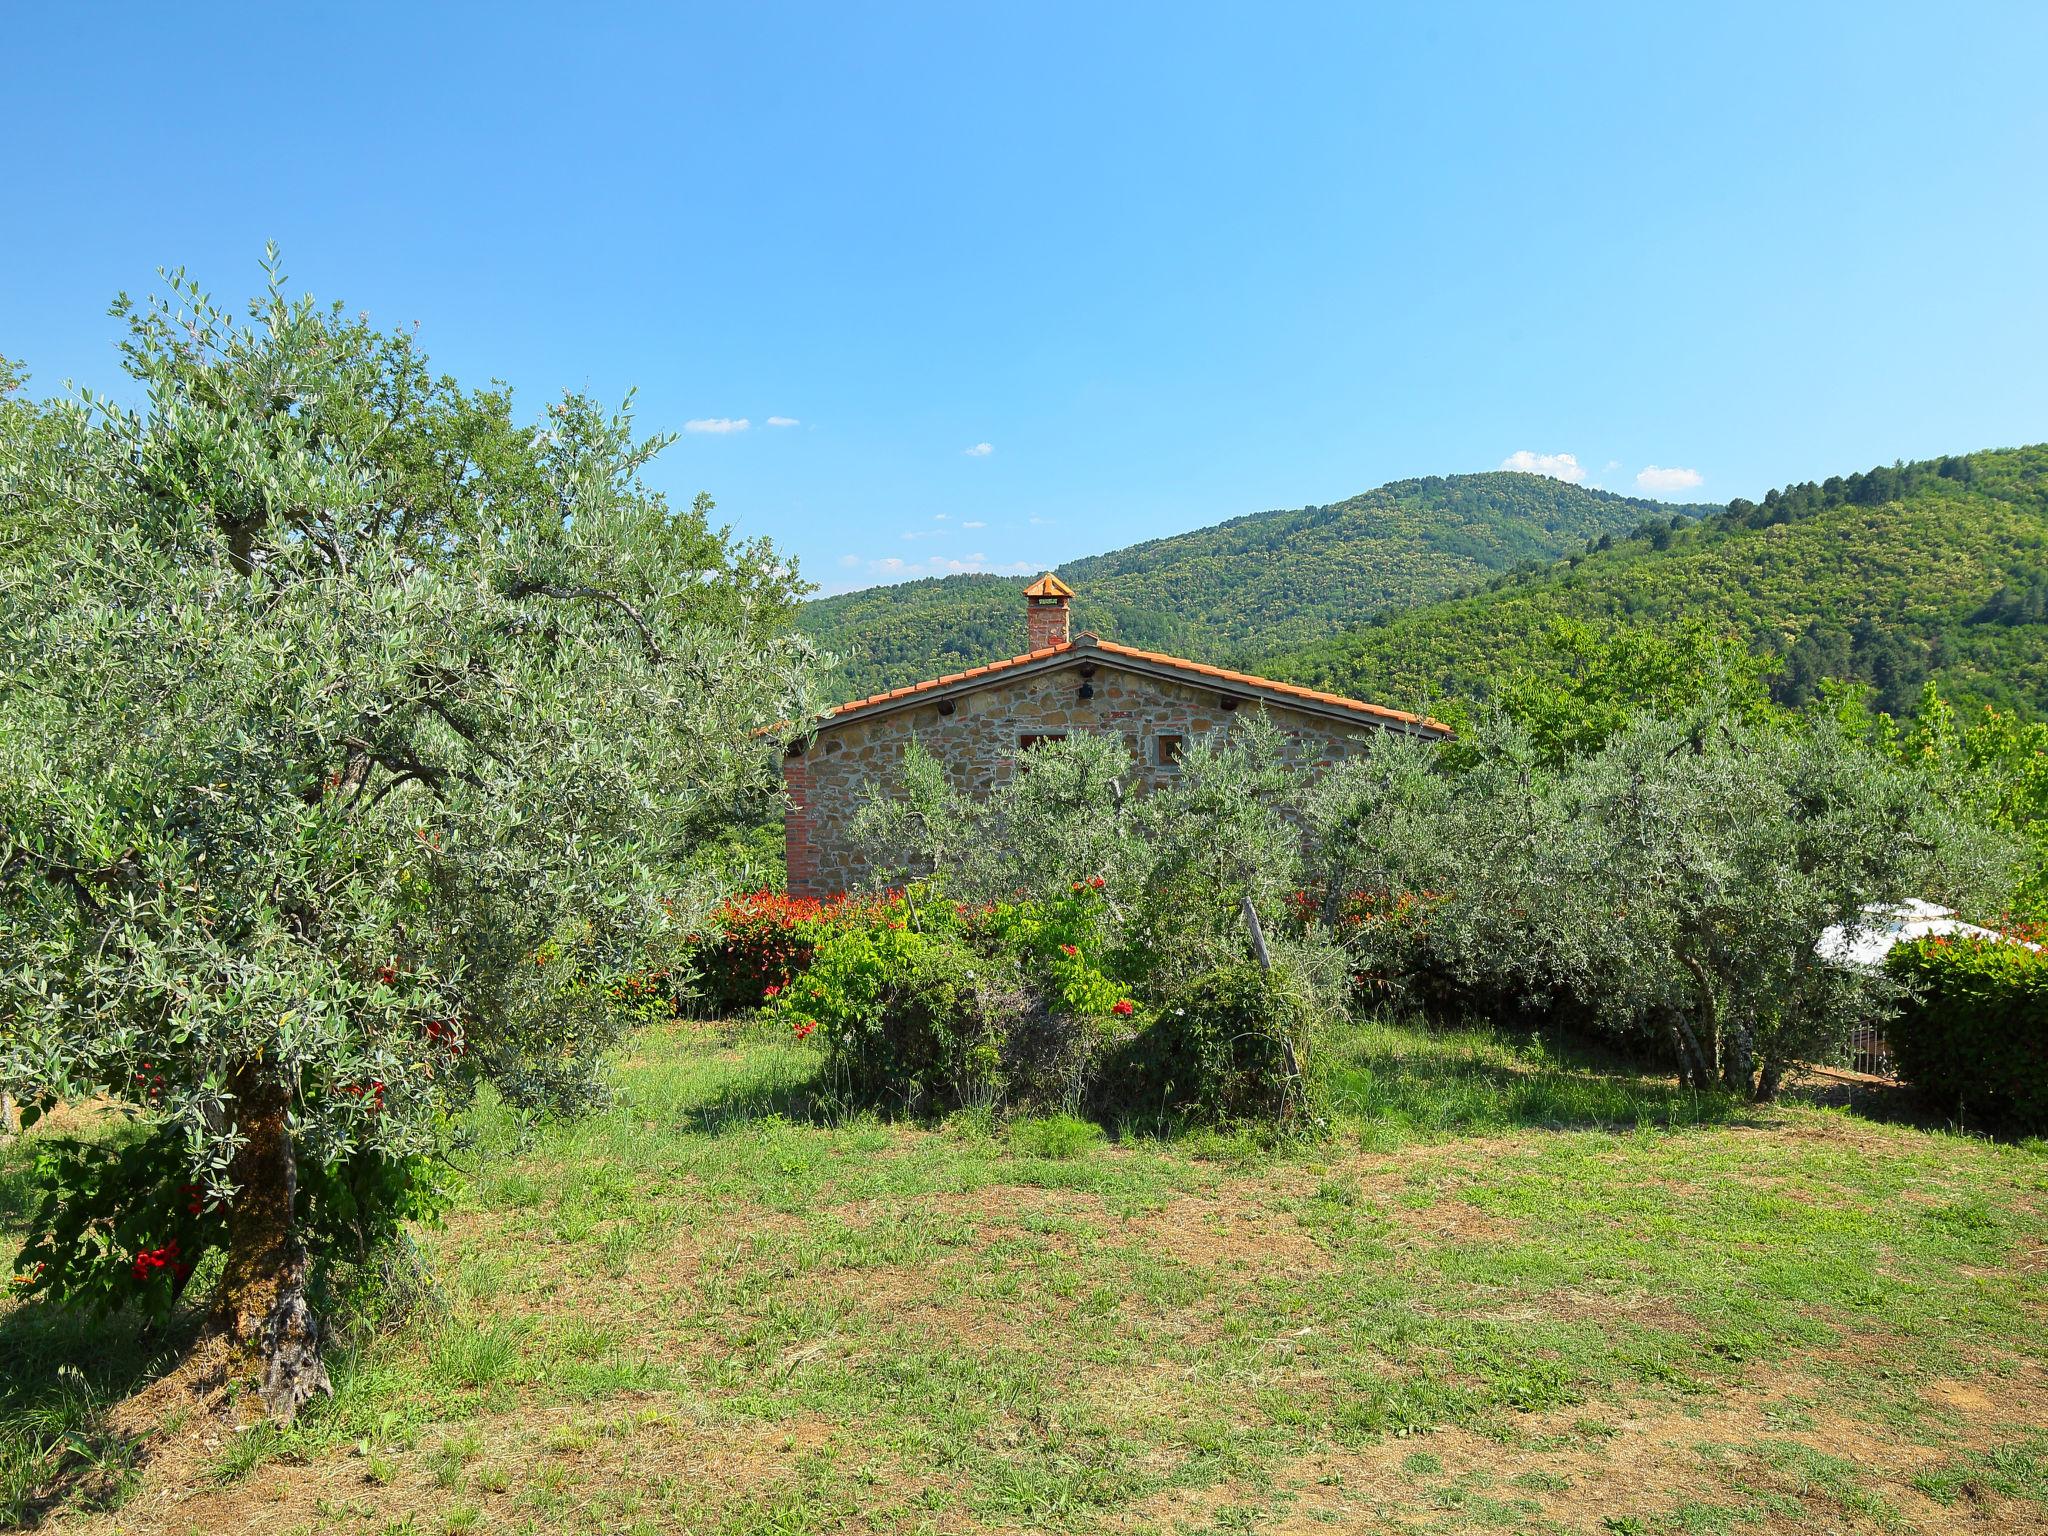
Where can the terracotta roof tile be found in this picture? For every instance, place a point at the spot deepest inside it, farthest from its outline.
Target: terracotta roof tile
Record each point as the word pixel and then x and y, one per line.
pixel 1246 679
pixel 1156 658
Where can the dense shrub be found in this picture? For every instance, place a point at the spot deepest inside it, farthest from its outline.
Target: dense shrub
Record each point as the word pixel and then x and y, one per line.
pixel 908 1019
pixel 1229 1045
pixel 1974 1030
pixel 753 945
pixel 922 1005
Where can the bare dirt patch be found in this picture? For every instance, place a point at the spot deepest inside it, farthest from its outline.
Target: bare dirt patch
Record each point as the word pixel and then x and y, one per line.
pixel 622 1460
pixel 1235 1235
pixel 1651 1461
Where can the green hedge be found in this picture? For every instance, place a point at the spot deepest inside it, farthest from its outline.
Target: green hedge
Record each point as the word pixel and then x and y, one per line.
pixel 1974 1030
pixel 922 1006
pixel 1230 1045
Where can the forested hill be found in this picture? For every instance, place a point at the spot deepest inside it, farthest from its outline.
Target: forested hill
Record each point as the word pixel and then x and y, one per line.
pixel 1937 569
pixel 1242 589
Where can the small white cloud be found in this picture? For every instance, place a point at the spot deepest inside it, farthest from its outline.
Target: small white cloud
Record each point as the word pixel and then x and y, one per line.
pixel 974 525
pixel 1559 466
pixel 1610 466
pixel 979 450
pixel 1040 522
pixel 783 421
pixel 719 424
pixel 1659 482
pixel 940 517
pixel 849 561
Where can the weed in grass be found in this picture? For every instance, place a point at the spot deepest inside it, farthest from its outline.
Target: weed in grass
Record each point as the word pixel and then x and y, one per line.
pixel 1054 1136
pixel 2017 1470
pixel 452 1455
pixel 252 1448
pixel 467 1354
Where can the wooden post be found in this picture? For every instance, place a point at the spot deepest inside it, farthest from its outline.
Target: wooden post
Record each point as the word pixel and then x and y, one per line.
pixel 10 1117
pixel 1251 921
pixel 1265 958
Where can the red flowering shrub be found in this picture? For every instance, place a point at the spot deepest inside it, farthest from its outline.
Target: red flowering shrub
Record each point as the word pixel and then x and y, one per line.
pixel 756 944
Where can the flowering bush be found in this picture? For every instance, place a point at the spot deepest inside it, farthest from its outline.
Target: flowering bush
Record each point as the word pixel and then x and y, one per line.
pixel 920 1003
pixel 120 1224
pixel 755 944
pixel 910 1020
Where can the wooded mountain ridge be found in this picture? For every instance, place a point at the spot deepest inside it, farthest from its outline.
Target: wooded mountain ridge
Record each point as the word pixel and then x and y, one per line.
pixel 1242 589
pixel 1936 570
pixel 1440 589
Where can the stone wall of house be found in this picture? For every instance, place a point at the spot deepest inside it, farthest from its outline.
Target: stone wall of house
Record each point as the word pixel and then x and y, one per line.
pixel 980 741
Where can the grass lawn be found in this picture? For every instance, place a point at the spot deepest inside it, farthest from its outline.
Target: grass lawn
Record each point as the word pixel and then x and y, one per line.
pixel 1511 1292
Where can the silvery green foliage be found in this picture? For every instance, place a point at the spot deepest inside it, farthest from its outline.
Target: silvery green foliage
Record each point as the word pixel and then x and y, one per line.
pixel 330 696
pixel 1725 849
pixel 1222 833
pixel 1176 863
pixel 923 826
pixel 1068 818
pixel 1677 882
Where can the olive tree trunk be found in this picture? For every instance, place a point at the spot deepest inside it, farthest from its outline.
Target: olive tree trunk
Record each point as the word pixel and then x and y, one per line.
pixel 262 1304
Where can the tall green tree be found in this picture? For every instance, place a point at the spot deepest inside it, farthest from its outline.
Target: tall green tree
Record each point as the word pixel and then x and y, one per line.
pixel 335 699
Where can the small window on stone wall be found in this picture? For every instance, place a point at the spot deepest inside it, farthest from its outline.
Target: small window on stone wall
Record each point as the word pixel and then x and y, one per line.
pixel 1166 750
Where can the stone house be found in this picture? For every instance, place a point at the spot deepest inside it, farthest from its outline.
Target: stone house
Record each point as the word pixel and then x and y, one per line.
pixel 980 722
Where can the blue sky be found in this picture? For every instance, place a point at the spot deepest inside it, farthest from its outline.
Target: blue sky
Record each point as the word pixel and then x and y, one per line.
pixel 1034 281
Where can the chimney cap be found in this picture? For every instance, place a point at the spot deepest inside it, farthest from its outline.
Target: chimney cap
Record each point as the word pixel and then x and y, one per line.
pixel 1048 585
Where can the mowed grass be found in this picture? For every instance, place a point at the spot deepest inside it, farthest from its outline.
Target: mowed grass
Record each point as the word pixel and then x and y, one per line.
pixel 1512 1289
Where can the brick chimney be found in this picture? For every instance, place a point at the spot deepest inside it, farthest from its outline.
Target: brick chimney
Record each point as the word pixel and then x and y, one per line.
pixel 1045 612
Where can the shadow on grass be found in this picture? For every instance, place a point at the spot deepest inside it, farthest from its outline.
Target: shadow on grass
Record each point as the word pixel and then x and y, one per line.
pixel 737 1104
pixel 61 1372
pixel 1888 1102
pixel 1411 1080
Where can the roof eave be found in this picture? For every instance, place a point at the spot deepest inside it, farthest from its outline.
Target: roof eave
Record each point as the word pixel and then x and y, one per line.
pixel 1083 649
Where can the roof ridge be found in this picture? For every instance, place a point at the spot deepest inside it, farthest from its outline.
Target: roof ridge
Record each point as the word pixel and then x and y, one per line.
pixel 1090 641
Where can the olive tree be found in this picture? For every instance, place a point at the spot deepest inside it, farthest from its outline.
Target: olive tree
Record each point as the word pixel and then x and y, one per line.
pixel 1725 850
pixel 335 700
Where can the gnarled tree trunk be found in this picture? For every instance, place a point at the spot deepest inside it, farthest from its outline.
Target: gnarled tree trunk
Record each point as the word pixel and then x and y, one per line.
pixel 262 1306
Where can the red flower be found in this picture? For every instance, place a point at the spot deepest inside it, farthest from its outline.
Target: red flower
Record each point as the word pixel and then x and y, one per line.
pixel 1070 950
pixel 804 1028
pixel 1096 883
pixel 150 1260
pixel 771 992
pixel 388 974
pixel 1124 1008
